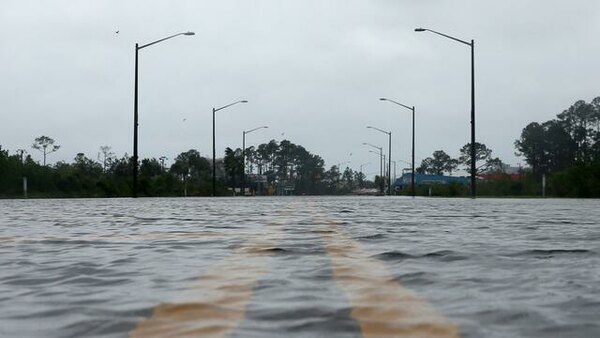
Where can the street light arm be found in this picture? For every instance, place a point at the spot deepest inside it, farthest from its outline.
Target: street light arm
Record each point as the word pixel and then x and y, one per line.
pixel 163 39
pixel 231 104
pixel 381 130
pixel 398 103
pixel 371 145
pixel 444 35
pixel 257 128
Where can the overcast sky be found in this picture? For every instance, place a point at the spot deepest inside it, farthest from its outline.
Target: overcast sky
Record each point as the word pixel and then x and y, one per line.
pixel 312 70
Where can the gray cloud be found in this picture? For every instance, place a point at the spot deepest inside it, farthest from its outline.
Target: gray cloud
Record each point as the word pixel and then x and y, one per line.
pixel 313 70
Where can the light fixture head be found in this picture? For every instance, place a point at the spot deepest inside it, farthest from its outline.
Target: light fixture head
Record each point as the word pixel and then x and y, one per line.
pixel 382 99
pixel 189 33
pixel 420 29
pixel 244 101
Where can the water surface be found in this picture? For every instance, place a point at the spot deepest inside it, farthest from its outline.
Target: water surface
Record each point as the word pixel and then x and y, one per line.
pixel 299 266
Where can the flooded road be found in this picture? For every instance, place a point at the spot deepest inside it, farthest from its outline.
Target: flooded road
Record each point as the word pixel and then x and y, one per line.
pixel 300 267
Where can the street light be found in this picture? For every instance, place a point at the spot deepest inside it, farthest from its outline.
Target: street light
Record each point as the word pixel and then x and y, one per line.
pixel 135 108
pixel 380 161
pixel 412 178
pixel 244 157
pixel 472 45
pixel 389 133
pixel 214 168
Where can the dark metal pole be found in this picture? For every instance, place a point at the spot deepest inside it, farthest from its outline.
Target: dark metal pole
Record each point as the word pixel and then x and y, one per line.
pixel 135 126
pixel 473 153
pixel 390 164
pixel 381 164
pixel 244 164
pixel 380 171
pixel 473 168
pixel 412 178
pixel 214 172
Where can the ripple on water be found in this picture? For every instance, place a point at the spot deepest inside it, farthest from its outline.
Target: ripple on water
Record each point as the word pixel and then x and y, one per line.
pixel 441 255
pixel 508 268
pixel 550 253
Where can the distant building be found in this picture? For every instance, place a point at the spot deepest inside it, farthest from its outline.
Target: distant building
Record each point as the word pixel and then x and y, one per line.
pixel 506 173
pixel 404 181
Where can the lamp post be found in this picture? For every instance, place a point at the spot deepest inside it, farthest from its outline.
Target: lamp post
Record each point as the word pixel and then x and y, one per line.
pixel 389 133
pixel 472 45
pixel 412 178
pixel 214 167
pixel 135 108
pixel 244 157
pixel 380 161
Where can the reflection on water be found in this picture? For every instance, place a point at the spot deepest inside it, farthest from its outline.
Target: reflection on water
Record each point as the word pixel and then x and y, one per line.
pixel 310 266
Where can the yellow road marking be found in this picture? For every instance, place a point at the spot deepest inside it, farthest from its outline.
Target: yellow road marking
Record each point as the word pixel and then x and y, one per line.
pixel 218 303
pixel 382 307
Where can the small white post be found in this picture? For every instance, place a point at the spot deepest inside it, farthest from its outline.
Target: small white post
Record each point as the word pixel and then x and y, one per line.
pixel 24 187
pixel 544 185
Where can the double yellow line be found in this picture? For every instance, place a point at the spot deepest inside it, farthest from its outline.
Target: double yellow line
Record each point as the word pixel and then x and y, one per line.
pixel 381 305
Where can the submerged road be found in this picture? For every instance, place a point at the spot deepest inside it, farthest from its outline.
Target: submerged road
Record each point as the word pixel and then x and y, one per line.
pixel 299 267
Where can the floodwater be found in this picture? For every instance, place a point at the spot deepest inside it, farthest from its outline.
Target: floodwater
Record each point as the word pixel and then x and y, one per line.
pixel 300 267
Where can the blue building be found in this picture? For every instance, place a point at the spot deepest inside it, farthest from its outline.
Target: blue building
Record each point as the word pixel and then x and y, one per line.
pixel 404 181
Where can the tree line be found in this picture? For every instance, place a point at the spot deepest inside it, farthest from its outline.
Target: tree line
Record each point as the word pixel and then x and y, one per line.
pixel 566 149
pixel 440 162
pixel 282 165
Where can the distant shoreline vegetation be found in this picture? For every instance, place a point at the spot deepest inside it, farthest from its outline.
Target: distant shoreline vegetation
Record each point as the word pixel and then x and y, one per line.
pixel 271 169
pixel 565 151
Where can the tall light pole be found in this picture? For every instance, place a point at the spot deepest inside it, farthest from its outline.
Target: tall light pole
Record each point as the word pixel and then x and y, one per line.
pixel 244 157
pixel 412 178
pixel 214 167
pixel 135 108
pixel 472 45
pixel 381 165
pixel 380 162
pixel 389 133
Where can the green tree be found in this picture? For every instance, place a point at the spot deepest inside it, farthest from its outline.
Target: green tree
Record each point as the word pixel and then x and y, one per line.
pixel 484 162
pixel 580 121
pixel 232 163
pixel 46 145
pixel 547 147
pixel 106 156
pixel 532 146
pixel 438 164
